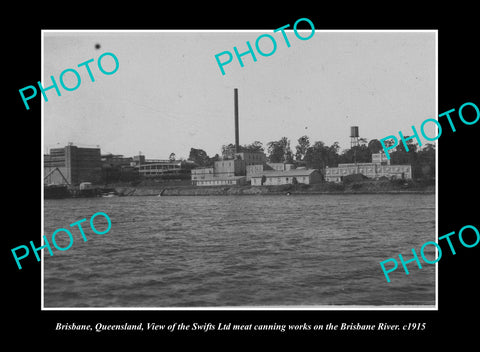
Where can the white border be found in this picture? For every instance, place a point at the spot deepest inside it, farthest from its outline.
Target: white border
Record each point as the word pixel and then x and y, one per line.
pixel 247 308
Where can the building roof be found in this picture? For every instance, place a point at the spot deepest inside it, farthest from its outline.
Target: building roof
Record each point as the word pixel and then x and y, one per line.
pixel 287 173
pixel 354 165
pixel 221 178
pixel 343 166
pixel 161 162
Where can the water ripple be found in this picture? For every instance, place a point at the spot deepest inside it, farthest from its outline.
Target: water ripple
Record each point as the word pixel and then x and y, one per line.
pixel 236 251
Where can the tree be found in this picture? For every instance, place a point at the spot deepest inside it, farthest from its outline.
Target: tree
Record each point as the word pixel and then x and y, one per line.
pixel 359 154
pixel 212 160
pixel 275 152
pixel 401 156
pixel 199 157
pixel 335 147
pixel 332 154
pixel 287 152
pixel 254 147
pixel 411 144
pixel 316 156
pixel 279 151
pixel 424 163
pixel 319 156
pixel 303 145
pixel 172 157
pixel 375 146
pixel 228 150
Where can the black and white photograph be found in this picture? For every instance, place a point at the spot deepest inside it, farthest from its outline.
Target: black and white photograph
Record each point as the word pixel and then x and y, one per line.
pixel 180 177
pixel 255 183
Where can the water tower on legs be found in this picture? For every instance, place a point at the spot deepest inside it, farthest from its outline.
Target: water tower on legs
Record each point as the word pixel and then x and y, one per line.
pixel 354 136
pixel 354 142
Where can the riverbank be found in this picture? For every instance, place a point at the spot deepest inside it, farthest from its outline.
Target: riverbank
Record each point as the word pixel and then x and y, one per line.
pixel 360 187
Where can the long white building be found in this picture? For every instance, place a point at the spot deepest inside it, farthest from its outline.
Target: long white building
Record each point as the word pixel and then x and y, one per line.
pixel 379 167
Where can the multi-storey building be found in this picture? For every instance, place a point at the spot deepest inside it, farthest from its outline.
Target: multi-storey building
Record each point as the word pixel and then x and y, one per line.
pixel 72 165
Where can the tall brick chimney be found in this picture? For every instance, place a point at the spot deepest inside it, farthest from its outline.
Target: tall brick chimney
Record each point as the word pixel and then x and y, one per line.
pixel 237 142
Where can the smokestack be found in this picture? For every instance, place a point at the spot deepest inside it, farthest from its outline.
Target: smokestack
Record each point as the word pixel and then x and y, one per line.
pixel 237 143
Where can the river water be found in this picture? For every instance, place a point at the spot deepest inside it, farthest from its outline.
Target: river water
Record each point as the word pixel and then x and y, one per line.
pixel 252 251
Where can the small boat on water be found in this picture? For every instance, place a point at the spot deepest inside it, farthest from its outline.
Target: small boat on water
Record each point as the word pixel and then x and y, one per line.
pixel 109 194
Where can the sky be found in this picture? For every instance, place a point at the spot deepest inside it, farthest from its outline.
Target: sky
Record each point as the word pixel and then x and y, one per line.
pixel 169 95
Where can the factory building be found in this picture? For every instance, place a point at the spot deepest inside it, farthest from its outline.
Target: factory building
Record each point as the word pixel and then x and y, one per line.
pixel 220 181
pixel 224 172
pixel 114 160
pixel 229 168
pixel 161 168
pixel 251 158
pixel 280 166
pixel 228 171
pixel 72 165
pixel 252 166
pixel 379 167
pixel 207 177
pixel 238 168
pixel 294 176
pixel 256 169
pixel 164 168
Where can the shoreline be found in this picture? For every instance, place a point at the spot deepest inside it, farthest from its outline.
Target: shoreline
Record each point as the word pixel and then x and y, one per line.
pixel 327 188
pixel 317 189
pixel 156 194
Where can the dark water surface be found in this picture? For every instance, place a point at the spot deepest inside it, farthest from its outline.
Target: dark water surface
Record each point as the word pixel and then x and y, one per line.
pixel 240 251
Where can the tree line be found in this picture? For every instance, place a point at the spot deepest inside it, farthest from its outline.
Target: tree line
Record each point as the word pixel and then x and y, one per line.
pixel 318 155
